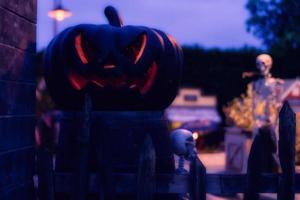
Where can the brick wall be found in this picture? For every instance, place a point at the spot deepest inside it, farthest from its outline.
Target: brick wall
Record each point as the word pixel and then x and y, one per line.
pixel 17 97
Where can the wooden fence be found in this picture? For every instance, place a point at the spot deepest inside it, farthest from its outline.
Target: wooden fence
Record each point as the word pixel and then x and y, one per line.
pixel 197 183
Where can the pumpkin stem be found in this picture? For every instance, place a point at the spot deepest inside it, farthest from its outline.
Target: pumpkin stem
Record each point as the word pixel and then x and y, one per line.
pixel 113 16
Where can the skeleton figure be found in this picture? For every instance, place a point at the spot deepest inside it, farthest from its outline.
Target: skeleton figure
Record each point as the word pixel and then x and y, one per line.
pixel 266 95
pixel 265 108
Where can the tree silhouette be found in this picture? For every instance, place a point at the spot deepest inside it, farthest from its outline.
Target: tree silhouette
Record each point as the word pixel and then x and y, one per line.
pixel 276 22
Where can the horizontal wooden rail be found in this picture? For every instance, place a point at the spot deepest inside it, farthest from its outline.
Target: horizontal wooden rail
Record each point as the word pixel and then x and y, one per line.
pixel 218 184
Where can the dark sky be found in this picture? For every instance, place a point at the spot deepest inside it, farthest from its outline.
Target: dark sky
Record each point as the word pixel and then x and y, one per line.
pixel 208 23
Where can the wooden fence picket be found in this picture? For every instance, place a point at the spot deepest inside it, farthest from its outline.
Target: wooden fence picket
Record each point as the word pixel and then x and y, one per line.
pixel 146 171
pixel 197 180
pixel 287 134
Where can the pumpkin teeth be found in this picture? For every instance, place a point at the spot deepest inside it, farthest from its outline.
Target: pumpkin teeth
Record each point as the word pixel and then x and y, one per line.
pixel 133 86
pixel 77 81
pixel 98 83
pixel 141 84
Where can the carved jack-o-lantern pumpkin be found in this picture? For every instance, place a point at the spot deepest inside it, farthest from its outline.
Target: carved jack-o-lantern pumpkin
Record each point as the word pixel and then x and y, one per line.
pixel 121 67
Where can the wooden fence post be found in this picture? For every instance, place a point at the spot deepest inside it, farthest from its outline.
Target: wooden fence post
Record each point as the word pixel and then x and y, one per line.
pixel 44 159
pixel 146 171
pixel 197 179
pixel 106 185
pixel 262 159
pixel 253 171
pixel 81 172
pixel 287 131
pixel 45 174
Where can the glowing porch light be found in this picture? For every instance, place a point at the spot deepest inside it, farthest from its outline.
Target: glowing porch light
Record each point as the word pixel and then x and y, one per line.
pixel 59 13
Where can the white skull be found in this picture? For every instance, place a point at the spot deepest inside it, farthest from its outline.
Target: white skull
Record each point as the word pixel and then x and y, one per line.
pixel 264 63
pixel 181 139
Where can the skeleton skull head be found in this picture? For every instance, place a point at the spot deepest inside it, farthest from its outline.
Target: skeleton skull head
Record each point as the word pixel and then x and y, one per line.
pixel 182 140
pixel 264 63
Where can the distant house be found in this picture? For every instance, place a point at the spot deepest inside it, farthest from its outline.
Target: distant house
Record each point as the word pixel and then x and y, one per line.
pixel 291 92
pixel 191 108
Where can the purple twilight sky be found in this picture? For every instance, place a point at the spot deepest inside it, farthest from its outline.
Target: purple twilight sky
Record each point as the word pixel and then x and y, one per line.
pixel 208 23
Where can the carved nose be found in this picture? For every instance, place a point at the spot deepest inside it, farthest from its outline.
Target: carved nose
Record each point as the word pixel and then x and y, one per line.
pixel 109 62
pixel 109 66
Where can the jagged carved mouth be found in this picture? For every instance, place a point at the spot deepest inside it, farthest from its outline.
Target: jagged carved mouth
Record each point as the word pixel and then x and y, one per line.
pixel 140 83
pixel 134 51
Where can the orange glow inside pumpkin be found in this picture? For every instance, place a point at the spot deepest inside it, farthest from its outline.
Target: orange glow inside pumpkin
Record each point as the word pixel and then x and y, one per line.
pixel 143 84
pixel 136 49
pixel 79 49
pixel 161 40
pixel 151 74
pixel 134 52
pixel 141 51
pixel 77 81
pixel 173 41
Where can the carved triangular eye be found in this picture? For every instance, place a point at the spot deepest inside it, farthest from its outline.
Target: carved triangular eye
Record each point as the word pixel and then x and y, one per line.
pixel 136 49
pixel 79 49
pixel 86 52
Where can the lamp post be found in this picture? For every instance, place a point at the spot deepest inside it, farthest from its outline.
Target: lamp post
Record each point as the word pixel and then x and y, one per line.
pixel 58 13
